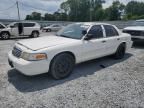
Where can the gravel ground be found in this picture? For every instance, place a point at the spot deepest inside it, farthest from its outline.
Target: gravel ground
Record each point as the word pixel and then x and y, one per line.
pixel 101 83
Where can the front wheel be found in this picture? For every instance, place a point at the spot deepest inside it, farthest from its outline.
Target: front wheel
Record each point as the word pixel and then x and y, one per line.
pixel 62 66
pixel 120 53
pixel 5 35
pixel 35 34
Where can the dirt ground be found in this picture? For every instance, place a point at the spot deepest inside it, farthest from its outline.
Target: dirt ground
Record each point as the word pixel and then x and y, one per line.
pixel 100 83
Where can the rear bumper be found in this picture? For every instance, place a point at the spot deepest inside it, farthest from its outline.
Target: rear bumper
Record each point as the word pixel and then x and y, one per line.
pixel 129 45
pixel 28 67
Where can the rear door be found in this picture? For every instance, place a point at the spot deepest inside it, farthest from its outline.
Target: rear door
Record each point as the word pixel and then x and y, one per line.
pixel 28 28
pixel 95 47
pixel 113 39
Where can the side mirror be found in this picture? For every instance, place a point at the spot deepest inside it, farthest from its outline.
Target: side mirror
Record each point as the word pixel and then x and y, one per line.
pixel 88 37
pixel 84 32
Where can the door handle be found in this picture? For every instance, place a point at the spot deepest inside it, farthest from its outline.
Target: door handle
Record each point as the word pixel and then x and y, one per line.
pixel 118 38
pixel 103 41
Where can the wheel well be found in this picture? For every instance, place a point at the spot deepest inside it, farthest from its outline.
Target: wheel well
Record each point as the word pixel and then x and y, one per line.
pixel 5 32
pixel 66 52
pixel 35 31
pixel 123 43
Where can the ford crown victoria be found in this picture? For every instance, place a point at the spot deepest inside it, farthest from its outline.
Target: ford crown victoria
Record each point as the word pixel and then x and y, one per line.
pixel 74 44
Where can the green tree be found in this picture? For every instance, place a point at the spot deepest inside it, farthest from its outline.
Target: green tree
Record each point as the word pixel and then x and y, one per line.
pixel 81 10
pixel 134 10
pixel 114 11
pixel 36 16
pixel 49 17
pixel 28 17
pixel 99 14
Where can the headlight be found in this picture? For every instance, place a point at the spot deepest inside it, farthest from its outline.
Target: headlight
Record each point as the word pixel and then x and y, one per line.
pixel 33 56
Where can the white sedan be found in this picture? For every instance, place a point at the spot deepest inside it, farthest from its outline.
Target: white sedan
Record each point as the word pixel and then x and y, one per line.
pixel 53 27
pixel 74 44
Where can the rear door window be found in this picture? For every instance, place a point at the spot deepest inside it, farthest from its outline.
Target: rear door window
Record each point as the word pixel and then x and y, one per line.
pixel 28 24
pixel 110 31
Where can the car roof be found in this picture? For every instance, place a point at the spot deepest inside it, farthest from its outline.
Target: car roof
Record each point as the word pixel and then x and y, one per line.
pixel 24 22
pixel 93 23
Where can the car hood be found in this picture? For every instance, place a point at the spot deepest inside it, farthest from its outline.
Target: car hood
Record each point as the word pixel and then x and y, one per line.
pixel 5 29
pixel 140 28
pixel 45 42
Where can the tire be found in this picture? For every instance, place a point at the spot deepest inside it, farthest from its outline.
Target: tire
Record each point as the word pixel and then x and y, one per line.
pixel 62 66
pixel 120 53
pixel 5 35
pixel 35 34
pixel 49 30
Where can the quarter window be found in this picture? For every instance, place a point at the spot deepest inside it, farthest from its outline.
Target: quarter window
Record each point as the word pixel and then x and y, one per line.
pixel 110 31
pixel 96 31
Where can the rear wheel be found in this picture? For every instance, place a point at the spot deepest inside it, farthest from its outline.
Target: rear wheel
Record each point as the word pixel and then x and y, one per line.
pixel 5 35
pixel 120 53
pixel 35 34
pixel 48 30
pixel 62 66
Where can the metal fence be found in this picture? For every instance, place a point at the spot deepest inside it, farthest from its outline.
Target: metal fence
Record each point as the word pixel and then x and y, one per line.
pixel 119 24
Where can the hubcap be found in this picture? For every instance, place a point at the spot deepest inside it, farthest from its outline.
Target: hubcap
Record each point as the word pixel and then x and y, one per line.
pixel 5 35
pixel 63 67
pixel 35 34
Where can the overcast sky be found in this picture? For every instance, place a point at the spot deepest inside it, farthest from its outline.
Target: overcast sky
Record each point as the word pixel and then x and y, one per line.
pixel 45 6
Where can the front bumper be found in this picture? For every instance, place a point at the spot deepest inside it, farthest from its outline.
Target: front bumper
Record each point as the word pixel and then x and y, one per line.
pixel 137 38
pixel 28 67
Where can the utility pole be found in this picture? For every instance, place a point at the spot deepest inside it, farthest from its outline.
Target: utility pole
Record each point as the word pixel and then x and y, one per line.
pixel 91 10
pixel 18 10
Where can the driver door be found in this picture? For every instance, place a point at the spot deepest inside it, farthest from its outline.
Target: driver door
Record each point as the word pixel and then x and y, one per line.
pixel 95 47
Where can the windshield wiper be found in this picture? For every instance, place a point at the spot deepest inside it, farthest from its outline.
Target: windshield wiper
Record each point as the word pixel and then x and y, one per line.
pixel 65 36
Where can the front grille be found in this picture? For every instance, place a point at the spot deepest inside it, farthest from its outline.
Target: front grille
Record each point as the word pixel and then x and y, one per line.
pixel 16 52
pixel 134 32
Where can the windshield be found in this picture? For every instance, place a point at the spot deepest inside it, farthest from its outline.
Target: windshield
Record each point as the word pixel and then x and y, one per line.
pixel 138 23
pixel 11 24
pixel 73 31
pixel 2 26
